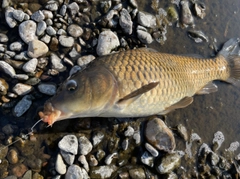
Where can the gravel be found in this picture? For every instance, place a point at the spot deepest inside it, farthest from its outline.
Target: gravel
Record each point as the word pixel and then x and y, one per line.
pixel 27 31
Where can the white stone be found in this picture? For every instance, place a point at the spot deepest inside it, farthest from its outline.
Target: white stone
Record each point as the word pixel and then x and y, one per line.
pixel 69 144
pixel 27 30
pixel 52 5
pixel 38 16
pixel 75 172
pixel 16 46
pixel 107 41
pixel 85 145
pixel 9 17
pixel 21 76
pixel 75 30
pixel 151 149
pixel 83 161
pixel 22 106
pixel 41 27
pixel 57 63
pixel 129 132
pixel 18 15
pixel 125 21
pixel 30 66
pixel 3 38
pixel 147 159
pixel 144 37
pixel 37 48
pixel 66 41
pixel 47 88
pixel 146 20
pixel 68 157
pixel 6 68
pixel 60 166
pixel 51 31
pixel 22 89
pixel 84 60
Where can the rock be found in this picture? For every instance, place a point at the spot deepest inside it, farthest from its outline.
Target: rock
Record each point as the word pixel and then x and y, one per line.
pixel 51 31
pixel 75 30
pixel 16 46
pixel 146 20
pixel 22 89
pixel 3 38
pixel 84 60
pixel 60 166
pixel 125 144
pixel 4 151
pixel 47 88
pixel 52 5
pixel 19 169
pixel 133 3
pixel 110 157
pixel 8 129
pixel 182 132
pixel 27 175
pixel 137 137
pixel 125 21
pixel 93 161
pixel 74 8
pixel 6 68
pixel 69 144
pixel 3 87
pixel 27 30
pixel 22 106
pixel 11 177
pixel 57 63
pixel 38 16
pixel 137 173
pixel 129 132
pixel 12 156
pixel 151 149
pixel 97 138
pixel 75 52
pixel 169 163
pixel 68 157
pixel 102 171
pixel 218 140
pixel 147 159
pixel 143 35
pixel 83 161
pixel 41 27
pixel 48 14
pixel 46 39
pixel 37 48
pixel 22 56
pixel 37 176
pixel 85 145
pixel 30 66
pixel 63 10
pixel 66 41
pixel 107 41
pixel 21 76
pixel 75 172
pixel 159 135
pixel 9 17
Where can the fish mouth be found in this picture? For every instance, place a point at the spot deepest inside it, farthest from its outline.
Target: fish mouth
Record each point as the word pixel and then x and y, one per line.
pixel 49 115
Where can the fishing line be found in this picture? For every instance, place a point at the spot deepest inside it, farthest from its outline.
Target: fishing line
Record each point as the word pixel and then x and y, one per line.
pixel 24 136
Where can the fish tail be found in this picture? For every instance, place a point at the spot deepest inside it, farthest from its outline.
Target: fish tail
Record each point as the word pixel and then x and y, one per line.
pixel 231 52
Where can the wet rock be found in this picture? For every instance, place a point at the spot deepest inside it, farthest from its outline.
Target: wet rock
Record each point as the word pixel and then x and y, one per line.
pixel 38 16
pixel 151 149
pixel 75 30
pixel 9 17
pixel 52 5
pixel 143 35
pixel 69 144
pixel 60 166
pixel 22 89
pixel 3 87
pixel 41 27
pixel 110 157
pixel 218 140
pixel 125 21
pixel 197 35
pixel 12 156
pixel 75 171
pixel 22 106
pixel 169 163
pixel 137 173
pixel 57 63
pixel 129 132
pixel 30 66
pixel 107 41
pixel 146 20
pixel 22 56
pixel 47 88
pixel 8 69
pixel 102 171
pixel 159 135
pixel 51 31
pixel 186 15
pixel 27 175
pixel 182 132
pixel 97 138
pixel 147 159
pixel 3 38
pixel 16 46
pixel 19 169
pixel 83 161
pixel 93 161
pixel 233 146
pixel 66 41
pixel 85 145
pixel 19 15
pixel 8 129
pixel 27 30
pixel 137 137
pixel 200 9
pixel 84 60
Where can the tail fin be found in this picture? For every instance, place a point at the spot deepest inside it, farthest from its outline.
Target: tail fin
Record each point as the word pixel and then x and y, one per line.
pixel 231 52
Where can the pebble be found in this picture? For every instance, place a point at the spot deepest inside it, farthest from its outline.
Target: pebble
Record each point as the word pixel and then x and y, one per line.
pixel 11 177
pixel 8 129
pixel 129 132
pixel 84 60
pixel 30 66
pixel 159 135
pixel 182 131
pixel 125 144
pixel 75 53
pixel 22 56
pixel 74 8
pixel 9 17
pixel 3 87
pixel 97 138
pixel 218 140
pixel 69 144
pixel 68 157
pixel 63 10
pixel 47 88
pixel 144 36
pixel 125 21
pixel 22 89
pixel 107 41
pixel 137 137
pixel 27 31
pixel 51 31
pixel 66 41
pixel 22 106
pixel 46 39
pixel 147 159
pixel 4 151
pixel 52 5
pixel 16 46
pixel 48 14
pixel 75 30
pixel 3 38
pixel 146 20
pixel 151 149
pixel 19 15
pixel 19 170
pixel 38 16
pixel 137 173
pixel 12 156
pixel 60 166
pixel 83 161
pixel 93 161
pixel 104 171
pixel 110 157
pixel 57 63
pixel 41 27
pixel 8 69
pixel 85 145
pixel 75 172
pixel 27 175
pixel 21 76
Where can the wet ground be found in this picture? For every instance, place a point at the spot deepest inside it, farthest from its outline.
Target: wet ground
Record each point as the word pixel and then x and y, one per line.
pixel 208 113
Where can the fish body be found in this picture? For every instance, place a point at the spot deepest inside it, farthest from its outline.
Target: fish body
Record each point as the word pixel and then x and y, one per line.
pixel 139 83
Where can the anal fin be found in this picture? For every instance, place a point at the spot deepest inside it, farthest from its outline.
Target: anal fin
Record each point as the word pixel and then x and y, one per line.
pixel 208 88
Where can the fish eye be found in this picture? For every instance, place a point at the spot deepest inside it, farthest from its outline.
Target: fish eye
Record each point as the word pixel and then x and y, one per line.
pixel 71 85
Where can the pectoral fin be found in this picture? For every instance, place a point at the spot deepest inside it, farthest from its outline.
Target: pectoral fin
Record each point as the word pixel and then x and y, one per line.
pixel 208 88
pixel 130 98
pixel 180 104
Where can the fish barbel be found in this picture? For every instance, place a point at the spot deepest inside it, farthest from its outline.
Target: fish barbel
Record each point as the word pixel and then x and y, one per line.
pixel 139 83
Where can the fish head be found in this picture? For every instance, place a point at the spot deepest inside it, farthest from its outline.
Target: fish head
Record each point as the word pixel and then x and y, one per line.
pixel 85 94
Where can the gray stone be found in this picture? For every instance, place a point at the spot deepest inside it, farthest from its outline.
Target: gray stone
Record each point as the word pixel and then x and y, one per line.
pixel 27 30
pixel 125 21
pixel 22 89
pixel 30 66
pixel 41 27
pixel 151 149
pixel 74 8
pixel 22 106
pixel 3 38
pixel 75 30
pixel 46 38
pixel 69 144
pixel 51 31
pixel 84 60
pixel 37 48
pixel 21 76
pixel 83 161
pixel 6 68
pixel 97 138
pixel 57 63
pixel 47 88
pixel 38 16
pixel 104 171
pixel 18 15
pixel 60 166
pixel 147 159
pixel 85 145
pixel 63 10
pixel 66 41
pixel 9 17
pixel 27 175
pixel 129 132
pixel 22 56
pixel 16 46
pixel 68 157
pixel 107 41
pixel 52 5
pixel 75 172
pixel 144 36
pixel 146 20
pixel 137 173
pixel 48 14
pixel 110 157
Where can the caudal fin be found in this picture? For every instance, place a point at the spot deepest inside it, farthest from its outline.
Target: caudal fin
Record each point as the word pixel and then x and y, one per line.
pixel 231 52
